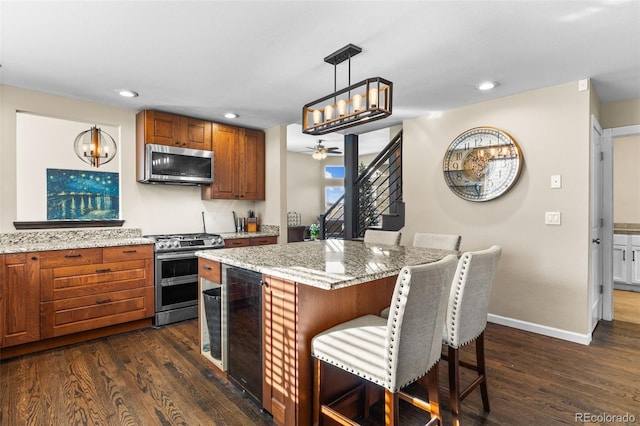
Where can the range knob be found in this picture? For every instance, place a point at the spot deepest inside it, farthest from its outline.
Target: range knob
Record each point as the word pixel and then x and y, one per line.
pixel 160 245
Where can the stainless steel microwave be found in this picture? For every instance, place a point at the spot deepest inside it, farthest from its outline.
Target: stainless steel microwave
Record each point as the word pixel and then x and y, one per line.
pixel 179 166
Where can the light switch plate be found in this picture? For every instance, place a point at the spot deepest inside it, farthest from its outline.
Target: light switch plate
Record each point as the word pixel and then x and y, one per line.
pixel 556 181
pixel 552 218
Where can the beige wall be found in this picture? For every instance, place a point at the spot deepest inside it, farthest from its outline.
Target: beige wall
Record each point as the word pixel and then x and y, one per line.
pixel 153 208
pixel 305 186
pixel 620 114
pixel 543 272
pixel 626 180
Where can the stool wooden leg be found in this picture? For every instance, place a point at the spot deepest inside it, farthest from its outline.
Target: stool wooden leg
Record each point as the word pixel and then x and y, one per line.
pixel 316 391
pixel 434 391
pixel 391 404
pixel 454 385
pixel 481 371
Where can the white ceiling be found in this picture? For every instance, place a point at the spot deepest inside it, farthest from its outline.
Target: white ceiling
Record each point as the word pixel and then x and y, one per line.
pixel 265 59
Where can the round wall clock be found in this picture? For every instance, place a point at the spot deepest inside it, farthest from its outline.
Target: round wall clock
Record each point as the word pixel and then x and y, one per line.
pixel 482 164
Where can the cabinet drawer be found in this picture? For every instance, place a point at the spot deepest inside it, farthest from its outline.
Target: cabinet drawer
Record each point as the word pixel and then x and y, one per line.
pixel 52 259
pixel 237 242
pixel 260 241
pixel 210 270
pixel 86 313
pixel 117 254
pixel 75 281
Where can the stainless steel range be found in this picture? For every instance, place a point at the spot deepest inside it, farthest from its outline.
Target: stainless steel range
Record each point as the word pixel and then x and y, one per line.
pixel 176 274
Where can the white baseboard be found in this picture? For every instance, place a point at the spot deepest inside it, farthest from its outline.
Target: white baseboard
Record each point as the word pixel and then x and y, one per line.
pixel 583 339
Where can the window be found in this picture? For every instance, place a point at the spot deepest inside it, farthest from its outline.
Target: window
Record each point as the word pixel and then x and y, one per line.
pixel 334 188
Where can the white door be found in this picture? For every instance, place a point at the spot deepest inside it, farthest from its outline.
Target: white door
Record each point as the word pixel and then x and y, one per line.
pixel 596 221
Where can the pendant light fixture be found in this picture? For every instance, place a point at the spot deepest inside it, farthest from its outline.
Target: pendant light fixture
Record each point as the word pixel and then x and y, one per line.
pixel 95 147
pixel 360 103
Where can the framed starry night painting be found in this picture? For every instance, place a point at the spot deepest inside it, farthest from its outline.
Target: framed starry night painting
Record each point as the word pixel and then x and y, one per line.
pixel 82 195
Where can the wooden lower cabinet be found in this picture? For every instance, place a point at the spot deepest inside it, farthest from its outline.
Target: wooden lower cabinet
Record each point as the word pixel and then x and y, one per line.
pixel 250 241
pixel 292 315
pixel 45 295
pixel 77 298
pixel 19 299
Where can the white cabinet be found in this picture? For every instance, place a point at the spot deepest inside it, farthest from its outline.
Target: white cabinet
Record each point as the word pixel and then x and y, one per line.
pixel 626 259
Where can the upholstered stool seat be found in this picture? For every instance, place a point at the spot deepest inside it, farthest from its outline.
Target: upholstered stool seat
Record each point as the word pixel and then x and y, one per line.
pixel 393 352
pixel 374 236
pixel 466 321
pixel 437 241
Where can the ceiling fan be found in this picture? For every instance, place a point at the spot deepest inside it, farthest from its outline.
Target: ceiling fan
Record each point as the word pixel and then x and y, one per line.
pixel 320 151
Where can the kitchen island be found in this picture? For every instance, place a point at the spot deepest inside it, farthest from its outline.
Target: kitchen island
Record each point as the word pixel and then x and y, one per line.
pixel 307 288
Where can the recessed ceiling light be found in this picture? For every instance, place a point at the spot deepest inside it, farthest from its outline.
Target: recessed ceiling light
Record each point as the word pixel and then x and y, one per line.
pixel 127 93
pixel 486 85
pixel 231 115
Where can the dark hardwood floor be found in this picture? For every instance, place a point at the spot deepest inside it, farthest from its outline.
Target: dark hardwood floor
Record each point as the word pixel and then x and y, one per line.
pixel 157 377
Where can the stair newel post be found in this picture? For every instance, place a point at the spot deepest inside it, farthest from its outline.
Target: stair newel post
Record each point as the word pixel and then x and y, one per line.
pixel 350 190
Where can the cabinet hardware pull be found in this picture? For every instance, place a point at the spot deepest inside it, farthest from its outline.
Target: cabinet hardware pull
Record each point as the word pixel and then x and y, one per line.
pixel 34 257
pixel 102 271
pixel 102 301
pixel 69 256
pixel 129 251
pixel 207 268
pixel 624 255
pixel 633 255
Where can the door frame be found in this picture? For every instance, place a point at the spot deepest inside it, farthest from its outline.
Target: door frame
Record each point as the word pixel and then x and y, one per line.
pixel 607 230
pixel 596 226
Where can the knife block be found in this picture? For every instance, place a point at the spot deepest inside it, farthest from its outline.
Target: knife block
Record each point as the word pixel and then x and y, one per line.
pixel 252 224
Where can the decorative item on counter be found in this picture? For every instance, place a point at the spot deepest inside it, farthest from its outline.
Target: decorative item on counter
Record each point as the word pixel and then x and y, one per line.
pixel 239 224
pixel 294 219
pixel 252 222
pixel 314 230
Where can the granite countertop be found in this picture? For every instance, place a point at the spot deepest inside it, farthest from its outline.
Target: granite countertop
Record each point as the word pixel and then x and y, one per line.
pixel 265 231
pixel 327 264
pixel 626 228
pixel 22 242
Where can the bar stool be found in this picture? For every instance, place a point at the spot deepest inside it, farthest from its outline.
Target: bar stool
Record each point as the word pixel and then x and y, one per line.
pixel 392 352
pixel 437 241
pixel 466 320
pixel 374 236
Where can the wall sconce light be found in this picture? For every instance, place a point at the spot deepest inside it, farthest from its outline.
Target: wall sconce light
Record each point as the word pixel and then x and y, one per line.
pixel 372 101
pixel 95 147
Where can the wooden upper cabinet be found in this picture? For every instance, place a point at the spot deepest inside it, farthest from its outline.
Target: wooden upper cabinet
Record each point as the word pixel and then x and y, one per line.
pixel 239 164
pixel 252 165
pixel 175 130
pixel 19 299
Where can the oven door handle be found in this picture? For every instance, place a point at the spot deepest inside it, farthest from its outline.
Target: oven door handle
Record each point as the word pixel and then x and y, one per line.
pixel 170 256
pixel 185 279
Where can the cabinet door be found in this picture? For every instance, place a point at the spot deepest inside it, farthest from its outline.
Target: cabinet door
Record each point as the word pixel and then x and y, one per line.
pixel 261 241
pixel 197 134
pixel 237 242
pixel 280 363
pixel 620 264
pixel 635 265
pixel 20 299
pixel 224 184
pixel 162 128
pixel 252 165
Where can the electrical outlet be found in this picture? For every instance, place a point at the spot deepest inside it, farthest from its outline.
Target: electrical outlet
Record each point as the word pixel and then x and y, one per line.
pixel 556 181
pixel 552 218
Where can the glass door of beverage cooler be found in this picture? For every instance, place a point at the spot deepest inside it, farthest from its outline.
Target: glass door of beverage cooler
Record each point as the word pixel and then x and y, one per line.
pixel 244 300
